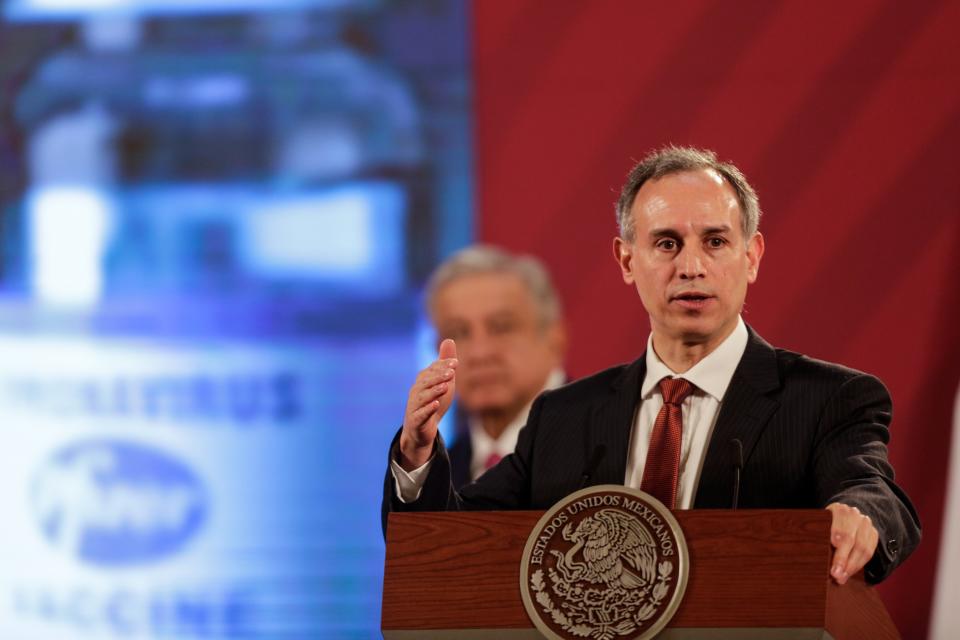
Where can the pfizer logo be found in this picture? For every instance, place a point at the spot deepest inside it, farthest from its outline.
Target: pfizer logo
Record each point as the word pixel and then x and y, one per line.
pixel 114 503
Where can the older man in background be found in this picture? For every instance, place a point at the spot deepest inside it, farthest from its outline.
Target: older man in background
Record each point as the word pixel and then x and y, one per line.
pixel 505 316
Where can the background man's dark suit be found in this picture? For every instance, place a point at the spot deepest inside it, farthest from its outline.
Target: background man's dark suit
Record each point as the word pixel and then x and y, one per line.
pixel 461 452
pixel 813 433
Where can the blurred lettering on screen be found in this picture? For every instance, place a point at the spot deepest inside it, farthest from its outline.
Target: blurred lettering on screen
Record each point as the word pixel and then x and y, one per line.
pixel 217 220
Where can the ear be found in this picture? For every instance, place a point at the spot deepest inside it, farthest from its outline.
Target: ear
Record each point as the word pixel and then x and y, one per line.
pixel 623 254
pixel 755 248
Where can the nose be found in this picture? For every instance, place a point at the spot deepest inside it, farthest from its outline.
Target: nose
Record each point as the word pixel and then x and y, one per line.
pixel 477 348
pixel 690 264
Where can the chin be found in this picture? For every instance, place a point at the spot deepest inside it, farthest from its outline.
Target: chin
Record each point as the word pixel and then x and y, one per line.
pixel 703 332
pixel 695 332
pixel 480 402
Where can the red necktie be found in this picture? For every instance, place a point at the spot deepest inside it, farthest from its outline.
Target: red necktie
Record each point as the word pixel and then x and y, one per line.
pixel 492 460
pixel 661 471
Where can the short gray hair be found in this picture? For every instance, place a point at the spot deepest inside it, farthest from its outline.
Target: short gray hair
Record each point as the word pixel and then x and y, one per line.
pixel 483 259
pixel 672 159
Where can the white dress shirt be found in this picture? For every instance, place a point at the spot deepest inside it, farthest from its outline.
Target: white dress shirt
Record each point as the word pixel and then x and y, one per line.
pixel 711 376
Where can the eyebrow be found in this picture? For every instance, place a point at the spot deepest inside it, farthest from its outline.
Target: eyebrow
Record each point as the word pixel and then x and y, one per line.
pixel 664 233
pixel 668 232
pixel 724 228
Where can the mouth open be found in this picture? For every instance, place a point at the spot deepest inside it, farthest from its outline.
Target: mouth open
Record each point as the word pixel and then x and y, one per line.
pixel 693 300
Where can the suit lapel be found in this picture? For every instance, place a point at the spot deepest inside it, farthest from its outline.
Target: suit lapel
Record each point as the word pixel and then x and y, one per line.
pixel 612 424
pixel 746 409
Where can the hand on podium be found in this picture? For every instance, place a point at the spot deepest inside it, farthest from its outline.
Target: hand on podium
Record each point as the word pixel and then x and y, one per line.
pixel 430 397
pixel 854 539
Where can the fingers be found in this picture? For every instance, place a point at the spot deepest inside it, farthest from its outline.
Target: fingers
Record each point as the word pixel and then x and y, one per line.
pixel 863 548
pixel 420 426
pixel 447 350
pixel 854 539
pixel 434 375
pixel 421 415
pixel 438 371
pixel 429 395
pixel 432 383
pixel 432 392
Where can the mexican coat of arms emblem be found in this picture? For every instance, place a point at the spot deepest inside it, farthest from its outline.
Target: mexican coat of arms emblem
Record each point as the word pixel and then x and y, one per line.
pixel 605 563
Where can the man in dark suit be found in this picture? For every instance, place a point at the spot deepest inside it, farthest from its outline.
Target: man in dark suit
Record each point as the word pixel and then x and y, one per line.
pixel 505 316
pixel 806 433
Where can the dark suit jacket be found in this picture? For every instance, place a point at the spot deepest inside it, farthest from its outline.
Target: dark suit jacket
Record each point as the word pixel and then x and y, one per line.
pixel 813 433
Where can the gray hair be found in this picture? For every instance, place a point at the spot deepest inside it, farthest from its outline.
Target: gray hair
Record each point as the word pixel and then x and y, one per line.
pixel 672 159
pixel 482 259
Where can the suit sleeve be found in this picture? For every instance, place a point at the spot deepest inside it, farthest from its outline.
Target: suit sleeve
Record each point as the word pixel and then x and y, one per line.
pixel 505 486
pixel 851 467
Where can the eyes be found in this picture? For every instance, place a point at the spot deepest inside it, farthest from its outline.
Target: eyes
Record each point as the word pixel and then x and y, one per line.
pixel 456 333
pixel 671 245
pixel 498 326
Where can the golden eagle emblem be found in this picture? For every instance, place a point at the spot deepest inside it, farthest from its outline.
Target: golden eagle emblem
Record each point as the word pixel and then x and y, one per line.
pixel 617 551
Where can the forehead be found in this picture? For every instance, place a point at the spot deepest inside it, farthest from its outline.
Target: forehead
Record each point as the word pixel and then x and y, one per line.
pixel 477 296
pixel 696 198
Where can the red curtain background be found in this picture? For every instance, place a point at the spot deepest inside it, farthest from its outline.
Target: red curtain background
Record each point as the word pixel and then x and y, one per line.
pixel 844 116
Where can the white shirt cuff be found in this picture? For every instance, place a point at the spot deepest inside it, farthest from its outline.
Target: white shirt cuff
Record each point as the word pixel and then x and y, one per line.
pixel 409 484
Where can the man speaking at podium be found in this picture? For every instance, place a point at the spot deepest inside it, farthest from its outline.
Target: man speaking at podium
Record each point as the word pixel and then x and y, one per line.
pixel 710 416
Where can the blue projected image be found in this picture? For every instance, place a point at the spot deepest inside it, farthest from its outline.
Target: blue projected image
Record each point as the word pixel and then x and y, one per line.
pixel 68 227
pixel 60 9
pixel 216 222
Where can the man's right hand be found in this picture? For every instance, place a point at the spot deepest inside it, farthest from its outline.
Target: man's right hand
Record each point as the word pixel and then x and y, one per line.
pixel 429 399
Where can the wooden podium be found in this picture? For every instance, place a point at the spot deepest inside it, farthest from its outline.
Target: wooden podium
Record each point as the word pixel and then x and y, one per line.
pixel 753 574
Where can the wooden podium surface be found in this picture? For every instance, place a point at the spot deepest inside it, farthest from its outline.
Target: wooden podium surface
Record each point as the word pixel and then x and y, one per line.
pixel 753 574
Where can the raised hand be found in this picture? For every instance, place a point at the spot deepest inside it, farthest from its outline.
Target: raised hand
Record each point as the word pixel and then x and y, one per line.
pixel 430 397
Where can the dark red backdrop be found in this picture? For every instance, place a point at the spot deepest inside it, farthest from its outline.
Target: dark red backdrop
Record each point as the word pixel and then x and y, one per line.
pixel 846 118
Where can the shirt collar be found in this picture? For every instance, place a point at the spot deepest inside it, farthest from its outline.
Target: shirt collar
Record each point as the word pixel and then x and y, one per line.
pixel 711 375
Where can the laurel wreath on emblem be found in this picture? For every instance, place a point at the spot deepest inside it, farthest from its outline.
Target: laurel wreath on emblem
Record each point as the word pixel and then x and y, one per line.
pixel 616 587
